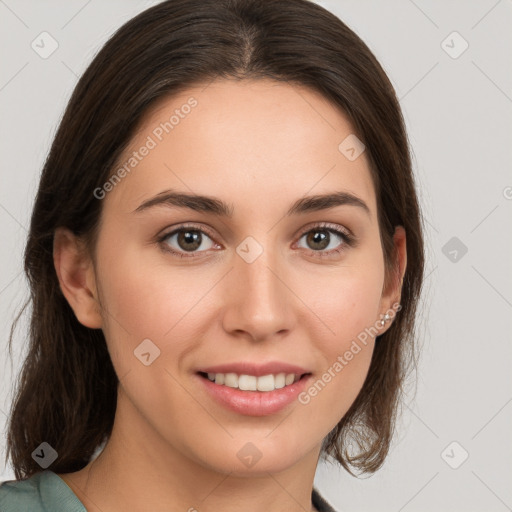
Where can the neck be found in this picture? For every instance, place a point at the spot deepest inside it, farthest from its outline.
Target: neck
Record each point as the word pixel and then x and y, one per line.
pixel 139 470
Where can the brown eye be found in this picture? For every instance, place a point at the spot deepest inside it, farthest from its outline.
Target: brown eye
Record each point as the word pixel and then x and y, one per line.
pixel 318 240
pixel 187 240
pixel 325 240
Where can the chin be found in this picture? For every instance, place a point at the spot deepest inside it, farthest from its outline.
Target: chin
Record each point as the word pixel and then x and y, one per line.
pixel 252 459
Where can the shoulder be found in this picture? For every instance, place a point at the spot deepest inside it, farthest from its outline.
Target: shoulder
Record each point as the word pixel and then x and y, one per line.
pixel 42 492
pixel 21 495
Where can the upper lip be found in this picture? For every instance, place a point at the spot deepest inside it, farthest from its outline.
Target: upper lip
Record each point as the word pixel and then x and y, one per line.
pixel 252 368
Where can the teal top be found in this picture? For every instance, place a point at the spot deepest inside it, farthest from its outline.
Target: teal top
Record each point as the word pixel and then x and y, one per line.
pixel 47 492
pixel 42 492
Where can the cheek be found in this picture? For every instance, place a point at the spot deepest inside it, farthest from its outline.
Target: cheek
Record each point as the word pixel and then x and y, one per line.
pixel 347 304
pixel 346 354
pixel 350 312
pixel 143 294
pixel 135 302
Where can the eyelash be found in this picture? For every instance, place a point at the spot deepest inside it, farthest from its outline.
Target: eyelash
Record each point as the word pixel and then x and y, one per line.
pixel 348 239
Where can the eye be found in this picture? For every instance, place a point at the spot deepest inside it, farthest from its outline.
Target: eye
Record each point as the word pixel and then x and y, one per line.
pixel 327 236
pixel 186 239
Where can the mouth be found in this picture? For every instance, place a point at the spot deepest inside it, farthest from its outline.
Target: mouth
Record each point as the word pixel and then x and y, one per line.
pixel 254 396
pixel 263 384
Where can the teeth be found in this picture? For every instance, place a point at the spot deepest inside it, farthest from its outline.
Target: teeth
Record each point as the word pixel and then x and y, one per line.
pixel 253 383
pixel 280 380
pixel 231 380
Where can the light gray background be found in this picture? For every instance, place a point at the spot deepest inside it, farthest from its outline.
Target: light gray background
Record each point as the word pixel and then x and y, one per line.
pixel 459 117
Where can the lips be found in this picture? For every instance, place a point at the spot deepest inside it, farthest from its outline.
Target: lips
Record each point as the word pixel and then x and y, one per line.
pixel 254 403
pixel 252 368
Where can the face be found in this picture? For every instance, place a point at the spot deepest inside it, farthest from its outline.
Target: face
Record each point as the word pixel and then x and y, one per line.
pixel 275 278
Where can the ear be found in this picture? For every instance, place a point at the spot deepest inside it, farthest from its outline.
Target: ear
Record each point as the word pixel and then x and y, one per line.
pixel 391 294
pixel 76 276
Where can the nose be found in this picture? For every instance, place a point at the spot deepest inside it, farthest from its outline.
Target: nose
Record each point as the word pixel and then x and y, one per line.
pixel 259 302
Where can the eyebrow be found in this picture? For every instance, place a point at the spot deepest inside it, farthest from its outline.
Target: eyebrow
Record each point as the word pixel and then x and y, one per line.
pixel 215 206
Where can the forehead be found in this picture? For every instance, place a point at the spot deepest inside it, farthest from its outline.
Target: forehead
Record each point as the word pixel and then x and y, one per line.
pixel 247 141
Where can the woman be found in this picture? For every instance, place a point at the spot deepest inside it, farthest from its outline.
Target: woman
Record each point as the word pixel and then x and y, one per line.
pixel 267 137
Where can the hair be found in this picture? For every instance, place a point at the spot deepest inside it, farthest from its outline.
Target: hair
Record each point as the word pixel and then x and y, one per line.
pixel 66 392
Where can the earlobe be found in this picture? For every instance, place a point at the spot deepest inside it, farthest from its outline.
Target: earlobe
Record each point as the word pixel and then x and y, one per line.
pixel 77 280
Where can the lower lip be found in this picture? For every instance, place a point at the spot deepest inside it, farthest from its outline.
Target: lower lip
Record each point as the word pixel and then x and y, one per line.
pixel 255 403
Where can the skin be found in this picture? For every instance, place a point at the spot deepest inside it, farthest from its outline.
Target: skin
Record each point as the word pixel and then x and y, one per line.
pixel 259 146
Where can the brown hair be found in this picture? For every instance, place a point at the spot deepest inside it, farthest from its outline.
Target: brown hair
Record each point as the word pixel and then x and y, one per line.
pixel 67 390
